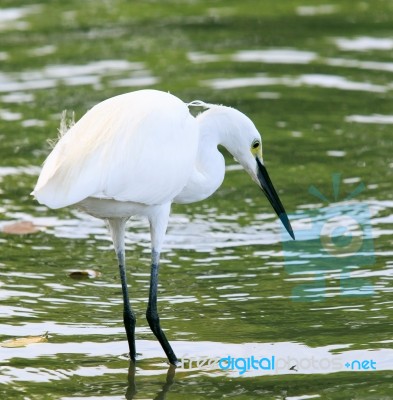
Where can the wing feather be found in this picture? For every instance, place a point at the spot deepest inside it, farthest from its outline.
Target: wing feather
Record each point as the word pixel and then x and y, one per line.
pixel 140 147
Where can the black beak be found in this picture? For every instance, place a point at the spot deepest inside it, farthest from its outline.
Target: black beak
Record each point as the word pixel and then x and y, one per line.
pixel 272 196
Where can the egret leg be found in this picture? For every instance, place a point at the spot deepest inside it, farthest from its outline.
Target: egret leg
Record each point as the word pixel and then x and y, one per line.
pixel 158 224
pixel 128 314
pixel 152 312
pixel 117 228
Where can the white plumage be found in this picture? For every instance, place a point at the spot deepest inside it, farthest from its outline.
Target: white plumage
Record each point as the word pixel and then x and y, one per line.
pixel 135 154
pixel 117 150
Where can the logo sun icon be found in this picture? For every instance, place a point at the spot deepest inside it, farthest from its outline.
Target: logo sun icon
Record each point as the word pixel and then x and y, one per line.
pixel 333 242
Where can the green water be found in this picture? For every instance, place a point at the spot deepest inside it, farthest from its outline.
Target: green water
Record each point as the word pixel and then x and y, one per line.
pixel 316 79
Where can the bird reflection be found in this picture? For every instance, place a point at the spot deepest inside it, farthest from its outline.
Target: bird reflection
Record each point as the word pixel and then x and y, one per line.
pixel 161 395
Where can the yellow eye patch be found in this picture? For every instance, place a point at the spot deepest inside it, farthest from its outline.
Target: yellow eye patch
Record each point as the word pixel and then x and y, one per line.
pixel 256 147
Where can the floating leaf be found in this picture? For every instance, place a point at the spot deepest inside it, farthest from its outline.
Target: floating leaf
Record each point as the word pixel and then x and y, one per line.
pixel 25 341
pixel 20 228
pixel 84 273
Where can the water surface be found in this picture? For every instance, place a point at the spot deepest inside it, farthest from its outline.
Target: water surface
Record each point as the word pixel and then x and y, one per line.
pixel 316 78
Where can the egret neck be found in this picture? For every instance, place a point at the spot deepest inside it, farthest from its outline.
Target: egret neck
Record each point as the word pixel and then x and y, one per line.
pixel 209 168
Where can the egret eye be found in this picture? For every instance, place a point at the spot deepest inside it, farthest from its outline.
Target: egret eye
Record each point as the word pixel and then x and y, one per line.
pixel 256 144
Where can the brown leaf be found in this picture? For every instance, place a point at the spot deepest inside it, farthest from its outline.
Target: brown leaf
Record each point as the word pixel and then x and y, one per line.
pixel 20 228
pixel 24 341
pixel 84 273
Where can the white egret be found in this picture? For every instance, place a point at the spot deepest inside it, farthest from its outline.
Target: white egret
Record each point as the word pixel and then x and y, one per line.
pixel 136 154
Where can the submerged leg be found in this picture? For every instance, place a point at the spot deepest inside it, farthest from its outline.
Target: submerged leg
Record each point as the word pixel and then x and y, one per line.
pixel 158 225
pixel 117 228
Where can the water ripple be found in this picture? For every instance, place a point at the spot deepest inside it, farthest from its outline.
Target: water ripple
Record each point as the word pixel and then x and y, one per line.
pixel 364 43
pixel 316 80
pixel 75 75
pixel 308 360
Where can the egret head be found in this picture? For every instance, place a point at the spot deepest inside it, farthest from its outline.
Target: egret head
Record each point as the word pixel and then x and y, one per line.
pixel 242 139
